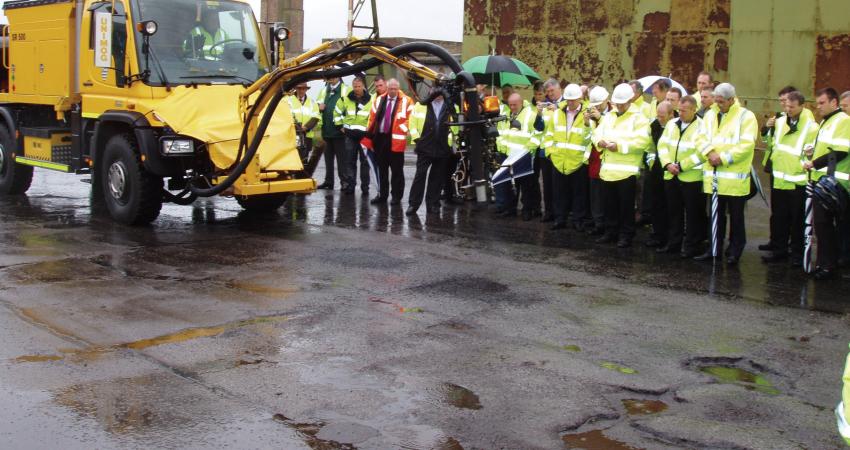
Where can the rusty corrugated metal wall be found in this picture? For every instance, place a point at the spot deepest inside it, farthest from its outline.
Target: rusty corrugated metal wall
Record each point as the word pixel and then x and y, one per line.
pixel 758 45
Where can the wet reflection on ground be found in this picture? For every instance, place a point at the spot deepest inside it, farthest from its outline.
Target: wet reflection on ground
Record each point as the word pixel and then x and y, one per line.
pixel 465 224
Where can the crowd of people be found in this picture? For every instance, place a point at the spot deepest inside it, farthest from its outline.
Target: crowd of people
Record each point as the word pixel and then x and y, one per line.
pixel 605 163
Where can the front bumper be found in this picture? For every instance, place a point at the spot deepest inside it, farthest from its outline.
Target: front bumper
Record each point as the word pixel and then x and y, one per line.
pixel 297 186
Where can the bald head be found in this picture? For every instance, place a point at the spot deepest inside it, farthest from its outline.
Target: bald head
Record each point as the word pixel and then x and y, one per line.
pixel 515 103
pixel 665 112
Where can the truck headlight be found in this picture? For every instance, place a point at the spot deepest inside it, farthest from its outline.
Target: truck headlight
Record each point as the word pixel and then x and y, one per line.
pixel 177 146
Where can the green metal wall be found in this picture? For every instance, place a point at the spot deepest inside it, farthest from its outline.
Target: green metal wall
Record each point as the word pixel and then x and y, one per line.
pixel 758 45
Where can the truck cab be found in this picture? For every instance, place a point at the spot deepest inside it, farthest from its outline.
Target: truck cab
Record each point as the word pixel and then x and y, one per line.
pixel 144 95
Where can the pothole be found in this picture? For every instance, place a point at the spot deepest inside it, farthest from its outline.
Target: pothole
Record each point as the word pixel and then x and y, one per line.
pixel 641 407
pixel 595 440
pixel 737 371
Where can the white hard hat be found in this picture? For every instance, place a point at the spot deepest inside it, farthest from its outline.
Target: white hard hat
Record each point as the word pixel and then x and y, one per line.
pixel 597 96
pixel 572 92
pixel 623 93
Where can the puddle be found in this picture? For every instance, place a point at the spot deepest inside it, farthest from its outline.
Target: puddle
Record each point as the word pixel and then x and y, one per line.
pixel 734 375
pixel 571 348
pixel 566 285
pixel 454 325
pixel 458 396
pixel 309 433
pixel 196 333
pixel 250 362
pixel 59 271
pixel 257 288
pixel 637 407
pixel 618 368
pixel 401 309
pixel 37 358
pixel 595 440
pixel 94 352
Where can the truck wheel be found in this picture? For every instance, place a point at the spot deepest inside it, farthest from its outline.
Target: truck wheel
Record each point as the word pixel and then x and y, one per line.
pixel 263 203
pixel 15 178
pixel 132 195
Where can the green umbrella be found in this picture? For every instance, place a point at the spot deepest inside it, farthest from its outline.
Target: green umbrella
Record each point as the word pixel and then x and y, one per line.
pixel 500 71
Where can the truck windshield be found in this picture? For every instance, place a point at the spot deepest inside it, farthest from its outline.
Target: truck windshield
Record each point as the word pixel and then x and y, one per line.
pixel 201 41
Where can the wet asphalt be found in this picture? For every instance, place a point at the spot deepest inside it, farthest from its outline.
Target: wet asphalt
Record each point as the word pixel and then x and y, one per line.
pixel 337 324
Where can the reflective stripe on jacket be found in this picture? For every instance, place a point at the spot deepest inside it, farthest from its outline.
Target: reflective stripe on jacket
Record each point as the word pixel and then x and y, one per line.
pixel 676 147
pixel 352 115
pixel 734 140
pixel 834 133
pixel 399 128
pixel 630 131
pixel 525 138
pixel 567 149
pixel 786 150
pixel 303 112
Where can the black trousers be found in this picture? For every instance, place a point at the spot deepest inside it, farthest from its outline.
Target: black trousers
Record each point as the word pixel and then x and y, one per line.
pixel 597 202
pixel 354 153
pixel 428 183
pixel 335 150
pixel 655 200
pixel 788 209
pixel 686 212
pixel 734 207
pixel 826 231
pixel 535 196
pixel 570 196
pixel 844 236
pixel 389 160
pixel 544 169
pixel 449 188
pixel 304 153
pixel 619 198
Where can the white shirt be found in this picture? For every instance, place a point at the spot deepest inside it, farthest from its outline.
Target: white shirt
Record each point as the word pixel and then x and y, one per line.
pixel 437 106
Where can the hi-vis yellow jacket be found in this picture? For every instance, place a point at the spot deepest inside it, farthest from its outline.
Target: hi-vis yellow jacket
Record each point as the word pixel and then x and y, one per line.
pixel 352 115
pixel 733 138
pixel 842 412
pixel 786 150
pixel 525 138
pixel 303 112
pixel 683 148
pixel 834 133
pixel 568 150
pixel 631 133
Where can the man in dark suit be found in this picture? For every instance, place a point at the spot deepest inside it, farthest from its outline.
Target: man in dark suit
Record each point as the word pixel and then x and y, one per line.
pixel 430 131
pixel 386 136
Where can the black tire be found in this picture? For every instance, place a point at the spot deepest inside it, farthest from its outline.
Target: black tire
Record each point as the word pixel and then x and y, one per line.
pixel 15 179
pixel 132 195
pixel 263 203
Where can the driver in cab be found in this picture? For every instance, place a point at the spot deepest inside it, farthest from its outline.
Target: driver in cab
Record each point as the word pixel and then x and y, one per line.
pixel 203 39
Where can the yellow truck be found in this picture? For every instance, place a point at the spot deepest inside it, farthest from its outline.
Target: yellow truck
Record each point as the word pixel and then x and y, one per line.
pixel 137 93
pixel 171 100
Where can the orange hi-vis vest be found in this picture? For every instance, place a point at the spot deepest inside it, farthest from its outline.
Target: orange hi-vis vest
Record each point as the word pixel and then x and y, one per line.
pixel 399 129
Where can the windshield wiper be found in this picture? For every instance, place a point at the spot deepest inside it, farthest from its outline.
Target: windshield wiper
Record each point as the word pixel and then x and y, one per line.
pixel 229 77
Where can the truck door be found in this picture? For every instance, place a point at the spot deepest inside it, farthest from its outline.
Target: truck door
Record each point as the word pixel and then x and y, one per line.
pixel 103 62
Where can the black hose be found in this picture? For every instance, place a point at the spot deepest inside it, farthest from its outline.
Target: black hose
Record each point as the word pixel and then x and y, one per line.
pixel 180 199
pixel 249 154
pixel 464 79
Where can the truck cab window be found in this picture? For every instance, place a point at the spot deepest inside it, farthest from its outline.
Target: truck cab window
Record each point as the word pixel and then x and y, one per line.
pixel 200 41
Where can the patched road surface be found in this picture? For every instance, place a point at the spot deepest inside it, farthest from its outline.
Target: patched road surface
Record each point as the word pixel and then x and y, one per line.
pixel 336 324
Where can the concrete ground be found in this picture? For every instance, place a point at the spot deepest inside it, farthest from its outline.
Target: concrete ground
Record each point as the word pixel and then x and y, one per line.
pixel 335 324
